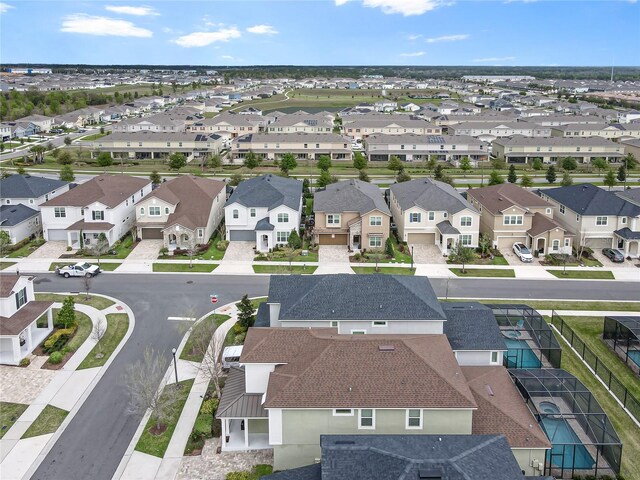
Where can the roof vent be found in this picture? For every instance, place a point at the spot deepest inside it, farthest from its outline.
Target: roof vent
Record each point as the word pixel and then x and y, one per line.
pixel 489 390
pixel 380 305
pixel 345 442
pixel 386 348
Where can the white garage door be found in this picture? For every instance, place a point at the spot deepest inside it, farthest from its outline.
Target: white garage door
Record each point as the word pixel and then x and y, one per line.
pixel 56 234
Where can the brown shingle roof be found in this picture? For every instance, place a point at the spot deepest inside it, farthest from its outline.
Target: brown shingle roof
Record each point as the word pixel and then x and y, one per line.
pixel 501 408
pixel 84 225
pixel 7 282
pixel 321 369
pixel 496 198
pixel 24 317
pixel 110 190
pixel 541 223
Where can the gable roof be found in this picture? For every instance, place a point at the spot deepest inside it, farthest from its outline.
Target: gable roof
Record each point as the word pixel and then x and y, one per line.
pixel 28 186
pixel 472 326
pixel 371 297
pixel 587 199
pixel 12 215
pixel 317 368
pixel 541 223
pixel 496 198
pixel 109 190
pixel 268 191
pixel 429 195
pixel 349 196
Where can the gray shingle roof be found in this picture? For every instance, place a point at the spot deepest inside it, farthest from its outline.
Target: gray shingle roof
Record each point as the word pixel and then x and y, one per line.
pixel 627 234
pixel 471 326
pixel 264 225
pixel 446 228
pixel 587 199
pixel 11 215
pixel 262 316
pixel 431 195
pixel 268 191
pixel 350 196
pixel 27 186
pixel 310 472
pixel 370 297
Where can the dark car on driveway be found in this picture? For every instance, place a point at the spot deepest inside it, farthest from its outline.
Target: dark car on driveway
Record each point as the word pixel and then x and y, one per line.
pixel 613 255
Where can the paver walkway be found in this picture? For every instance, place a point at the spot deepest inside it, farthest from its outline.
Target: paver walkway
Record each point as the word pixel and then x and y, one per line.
pixel 145 250
pixel 51 249
pixel 333 259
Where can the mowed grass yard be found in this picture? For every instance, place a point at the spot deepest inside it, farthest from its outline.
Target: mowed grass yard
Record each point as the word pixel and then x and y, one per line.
pixel 564 305
pixel 95 301
pixel 117 326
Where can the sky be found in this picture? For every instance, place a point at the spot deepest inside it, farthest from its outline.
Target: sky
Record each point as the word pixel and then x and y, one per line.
pixel 321 32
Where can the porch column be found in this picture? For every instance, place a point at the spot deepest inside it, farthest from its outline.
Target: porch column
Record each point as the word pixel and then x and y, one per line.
pixel 246 433
pixel 223 437
pixel 29 338
pixel 50 319
pixel 69 242
pixel 15 344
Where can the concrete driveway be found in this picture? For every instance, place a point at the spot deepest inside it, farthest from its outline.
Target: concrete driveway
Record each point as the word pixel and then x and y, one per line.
pixel 597 253
pixel 146 250
pixel 51 249
pixel 513 259
pixel 333 259
pixel 240 252
pixel 427 254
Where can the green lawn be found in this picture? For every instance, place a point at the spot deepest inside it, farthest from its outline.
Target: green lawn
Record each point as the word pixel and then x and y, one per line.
pixel 187 351
pixel 255 302
pixel 91 138
pixel 497 260
pixel 484 272
pixel 95 301
pixel 212 253
pixel 588 274
pixel 47 422
pixel 106 267
pixel 117 326
pixel 122 248
pixel 308 204
pixel 9 414
pixel 156 445
pixel 82 333
pixel 4 265
pixel 27 249
pixel 284 269
pixel 278 256
pixel 562 305
pixel 184 267
pixel 384 270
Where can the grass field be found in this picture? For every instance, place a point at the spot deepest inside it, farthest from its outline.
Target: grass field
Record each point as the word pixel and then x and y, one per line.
pixel 184 267
pixel 212 253
pixel 4 265
pixel 95 301
pixel 27 249
pixel 284 269
pixel 484 272
pixel 47 422
pixel 117 326
pixel 588 274
pixel 384 270
pixel 82 333
pixel 187 351
pixel 9 414
pixel 564 305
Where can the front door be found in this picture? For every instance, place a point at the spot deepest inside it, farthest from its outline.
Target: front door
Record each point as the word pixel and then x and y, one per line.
pixel 356 241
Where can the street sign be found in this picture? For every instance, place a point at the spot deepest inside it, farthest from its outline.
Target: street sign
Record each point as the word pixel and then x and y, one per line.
pixel 214 298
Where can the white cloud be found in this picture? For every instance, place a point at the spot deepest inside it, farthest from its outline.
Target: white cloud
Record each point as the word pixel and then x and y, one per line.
pixel 448 38
pixel 493 59
pixel 404 7
pixel 341 2
pixel 202 39
pixel 262 30
pixel 5 7
pixel 140 11
pixel 412 54
pixel 227 57
pixel 102 26
pixel 414 37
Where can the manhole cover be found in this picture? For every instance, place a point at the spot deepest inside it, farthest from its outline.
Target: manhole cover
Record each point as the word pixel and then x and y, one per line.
pixel 189 282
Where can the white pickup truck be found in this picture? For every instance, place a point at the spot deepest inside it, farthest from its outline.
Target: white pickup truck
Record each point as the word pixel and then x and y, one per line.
pixel 81 269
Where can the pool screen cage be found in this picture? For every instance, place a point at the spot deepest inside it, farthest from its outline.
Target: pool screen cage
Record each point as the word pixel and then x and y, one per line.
pixel 584 440
pixel 534 333
pixel 622 334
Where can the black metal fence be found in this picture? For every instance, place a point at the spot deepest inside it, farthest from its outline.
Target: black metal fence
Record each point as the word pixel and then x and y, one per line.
pixel 617 388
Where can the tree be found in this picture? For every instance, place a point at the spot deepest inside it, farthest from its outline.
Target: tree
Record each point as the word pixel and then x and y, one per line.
pixel 566 179
pixel 622 174
pixel 526 181
pixel 324 163
pixel 388 248
pixel 324 179
pixel 363 176
pixel 448 179
pixel 629 161
pixel 431 163
pixel 600 163
pixel 66 174
pixel 465 165
pixel 246 312
pixel 215 162
pixel 141 379
pixel 498 163
pixel 235 179
pixel 402 176
pixel 207 342
pixel 377 256
pixel 97 333
pixel 100 247
pixel 67 314
pixel 21 170
pixel 64 158
pixel 104 159
pixel 462 254
pixel 87 281
pixel 512 177
pixel 610 179
pixel 569 163
pixel 438 173
pixel 294 240
pixel 288 163
pixel 5 241
pixel 537 164
pixel 251 160
pixel 495 178
pixel 67 140
pixel 359 161
pixel 551 174
pixel 305 185
pixel 289 253
pixel 155 178
pixel 484 244
pixel 38 153
pixel 177 161
pixel 395 164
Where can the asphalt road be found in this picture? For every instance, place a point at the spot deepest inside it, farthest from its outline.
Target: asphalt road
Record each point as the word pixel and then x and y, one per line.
pixel 96 439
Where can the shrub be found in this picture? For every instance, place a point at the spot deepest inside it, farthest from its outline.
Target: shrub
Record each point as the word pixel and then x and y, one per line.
pixel 217 428
pixel 244 475
pixel 222 245
pixel 238 328
pixel 240 338
pixel 209 406
pixel 357 257
pixel 58 339
pixel 25 362
pixel 55 358
pixel 164 251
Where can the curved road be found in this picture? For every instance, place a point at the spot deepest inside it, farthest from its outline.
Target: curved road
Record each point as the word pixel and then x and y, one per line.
pixel 97 437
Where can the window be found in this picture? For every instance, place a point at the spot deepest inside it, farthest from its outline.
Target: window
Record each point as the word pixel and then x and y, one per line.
pixel 334 324
pixel 465 221
pixel 602 220
pixel 375 242
pixel 252 212
pixel 414 418
pixel 494 357
pixel 366 418
pixel 154 211
pixel 201 232
pixel 577 218
pixel 141 210
pixel 59 212
pixel 97 215
pixel 283 217
pixel 166 210
pixel 333 219
pixel 562 209
pixel 623 220
pixel 375 221
pixel 465 239
pixel 555 245
pixel 378 323
pixel 342 412
pixel 432 215
pixel 358 332
pixel 236 214
pixel 513 220
pixel 282 237
pixel 21 297
pixel 548 211
pixel 445 214
pixel 414 217
pixel 566 242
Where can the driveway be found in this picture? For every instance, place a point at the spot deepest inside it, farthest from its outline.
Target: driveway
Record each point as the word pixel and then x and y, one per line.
pixel 333 259
pixel 146 250
pixel 513 259
pixel 609 264
pixel 240 252
pixel 51 249
pixel 427 254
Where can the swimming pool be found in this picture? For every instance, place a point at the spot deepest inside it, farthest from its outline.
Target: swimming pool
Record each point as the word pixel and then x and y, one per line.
pixel 565 440
pixel 511 334
pixel 520 355
pixel 548 407
pixel 634 355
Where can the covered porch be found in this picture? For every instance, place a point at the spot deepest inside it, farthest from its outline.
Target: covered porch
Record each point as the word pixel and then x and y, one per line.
pixel 89 232
pixel 355 234
pixel 447 236
pixel 264 235
pixel 627 241
pixel 21 333
pixel 546 236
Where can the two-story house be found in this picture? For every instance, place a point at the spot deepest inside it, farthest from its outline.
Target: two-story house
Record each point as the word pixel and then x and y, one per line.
pixel 264 210
pixel 510 214
pixel 321 122
pixel 599 218
pixel 311 146
pixel 104 204
pixel 183 212
pixel 430 212
pixel 24 322
pixel 359 127
pixel 351 213
pixel 30 190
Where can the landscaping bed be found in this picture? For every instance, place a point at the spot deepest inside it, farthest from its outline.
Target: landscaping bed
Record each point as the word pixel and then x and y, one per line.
pixel 9 414
pixel 558 260
pixel 484 272
pixel 205 426
pixel 401 254
pixel 82 330
pixel 285 269
pixel 582 274
pixel 184 267
pixel 278 255
pixel 47 422
pixel 255 473
pixel 213 250
pixel 117 326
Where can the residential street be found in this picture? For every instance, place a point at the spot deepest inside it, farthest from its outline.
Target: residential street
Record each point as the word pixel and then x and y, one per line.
pixel 95 441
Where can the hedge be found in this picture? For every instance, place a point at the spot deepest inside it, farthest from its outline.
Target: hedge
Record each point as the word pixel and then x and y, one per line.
pixel 58 339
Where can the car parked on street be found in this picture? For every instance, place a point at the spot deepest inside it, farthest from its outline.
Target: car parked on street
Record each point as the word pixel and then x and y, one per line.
pixel 613 254
pixel 522 252
pixel 80 269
